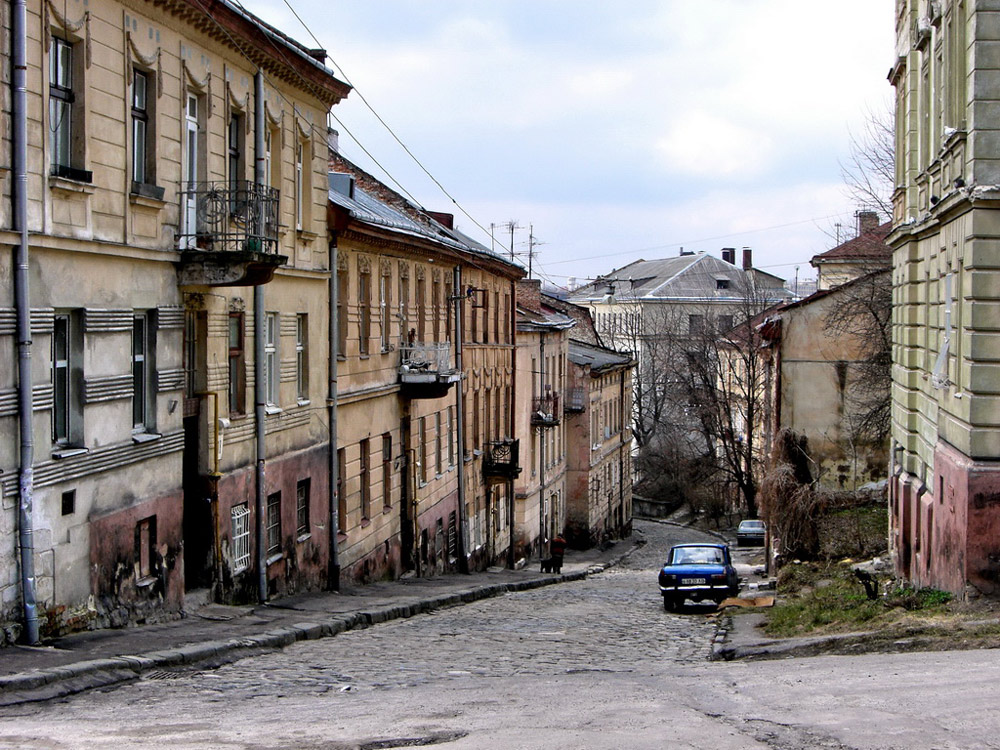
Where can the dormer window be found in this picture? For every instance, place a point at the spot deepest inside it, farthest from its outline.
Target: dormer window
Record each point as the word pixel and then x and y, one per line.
pixel 722 283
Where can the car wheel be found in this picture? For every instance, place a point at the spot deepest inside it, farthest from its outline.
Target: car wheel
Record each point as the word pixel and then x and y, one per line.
pixel 669 604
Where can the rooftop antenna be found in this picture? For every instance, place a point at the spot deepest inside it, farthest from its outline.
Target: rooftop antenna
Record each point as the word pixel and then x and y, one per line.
pixel 512 225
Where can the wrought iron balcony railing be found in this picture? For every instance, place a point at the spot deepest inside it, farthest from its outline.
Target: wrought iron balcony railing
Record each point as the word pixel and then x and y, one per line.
pixel 239 216
pixel 545 410
pixel 426 363
pixel 501 460
pixel 576 399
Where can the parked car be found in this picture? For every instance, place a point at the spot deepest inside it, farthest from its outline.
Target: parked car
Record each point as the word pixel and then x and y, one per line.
pixel 750 531
pixel 697 572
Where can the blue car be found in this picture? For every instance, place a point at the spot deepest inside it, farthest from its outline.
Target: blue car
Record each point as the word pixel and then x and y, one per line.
pixel 698 572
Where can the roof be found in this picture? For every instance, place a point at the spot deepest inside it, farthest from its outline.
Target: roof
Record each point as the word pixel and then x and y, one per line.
pixel 369 201
pixel 546 320
pixel 233 26
pixel 598 358
pixel 689 278
pixel 870 246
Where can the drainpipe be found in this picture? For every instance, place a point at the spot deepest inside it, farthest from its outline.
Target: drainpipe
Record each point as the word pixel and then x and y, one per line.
pixel 333 576
pixel 511 500
pixel 541 452
pixel 463 563
pixel 621 452
pixel 259 324
pixel 22 304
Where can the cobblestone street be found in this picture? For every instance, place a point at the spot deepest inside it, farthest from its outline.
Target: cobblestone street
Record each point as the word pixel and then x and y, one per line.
pixel 589 664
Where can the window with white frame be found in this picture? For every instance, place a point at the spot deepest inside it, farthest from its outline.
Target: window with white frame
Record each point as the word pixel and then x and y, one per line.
pixel 66 365
pixel 302 357
pixel 271 381
pixel 302 507
pixel 143 372
pixel 273 523
pixel 240 526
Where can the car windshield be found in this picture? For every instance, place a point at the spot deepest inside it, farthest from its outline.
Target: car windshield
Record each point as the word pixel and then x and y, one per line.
pixel 691 555
pixel 752 524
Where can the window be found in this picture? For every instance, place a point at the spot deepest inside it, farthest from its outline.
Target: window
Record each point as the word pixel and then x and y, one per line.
pixel 69 502
pixel 451 435
pixel 722 283
pixel 301 358
pixel 436 305
pixel 145 547
pixel 404 305
pixel 725 323
pixel 299 186
pixel 143 371
pixel 240 525
pixel 384 304
pixel 422 450
pixel 364 309
pixel 302 507
pixel 387 470
pixel 236 167
pixel 193 168
pixel 438 444
pixel 271 333
pixel 421 311
pixel 237 365
pixel 341 313
pixel 274 523
pixel 696 324
pixel 303 194
pixel 366 481
pixel 65 112
pixel 190 353
pixel 448 310
pixel 341 499
pixel 143 137
pixel 66 408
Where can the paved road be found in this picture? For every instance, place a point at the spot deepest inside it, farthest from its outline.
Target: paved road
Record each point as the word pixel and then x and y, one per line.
pixel 589 664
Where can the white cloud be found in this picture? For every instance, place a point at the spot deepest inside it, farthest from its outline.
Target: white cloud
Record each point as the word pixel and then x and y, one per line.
pixel 702 144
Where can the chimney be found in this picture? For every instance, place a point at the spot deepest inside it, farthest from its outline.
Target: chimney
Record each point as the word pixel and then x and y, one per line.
pixel 747 259
pixel 447 220
pixel 571 283
pixel 333 140
pixel 686 252
pixel 529 294
pixel 729 255
pixel 867 222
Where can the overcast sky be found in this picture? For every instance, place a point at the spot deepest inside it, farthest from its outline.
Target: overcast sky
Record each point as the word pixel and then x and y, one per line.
pixel 618 130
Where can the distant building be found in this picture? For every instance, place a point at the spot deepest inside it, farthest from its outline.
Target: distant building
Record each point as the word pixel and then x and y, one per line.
pixel 867 251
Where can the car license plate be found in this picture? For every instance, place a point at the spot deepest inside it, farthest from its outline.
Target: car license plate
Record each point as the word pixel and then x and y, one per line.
pixel 691 581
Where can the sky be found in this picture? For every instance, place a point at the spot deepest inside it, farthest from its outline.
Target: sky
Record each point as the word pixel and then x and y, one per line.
pixel 609 131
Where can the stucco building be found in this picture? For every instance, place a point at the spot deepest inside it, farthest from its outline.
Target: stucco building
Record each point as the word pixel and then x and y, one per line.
pixel 599 441
pixel 150 244
pixel 414 494
pixel 945 242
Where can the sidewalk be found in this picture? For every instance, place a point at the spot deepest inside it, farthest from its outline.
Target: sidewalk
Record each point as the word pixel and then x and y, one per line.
pixel 216 634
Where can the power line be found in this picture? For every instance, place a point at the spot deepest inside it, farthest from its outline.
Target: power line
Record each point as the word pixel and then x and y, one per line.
pixel 386 126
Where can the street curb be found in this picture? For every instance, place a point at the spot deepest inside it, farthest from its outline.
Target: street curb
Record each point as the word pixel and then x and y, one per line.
pixel 56 682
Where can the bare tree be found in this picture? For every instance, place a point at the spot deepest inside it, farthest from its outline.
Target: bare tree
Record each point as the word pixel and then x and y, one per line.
pixel 728 383
pixel 862 310
pixel 870 170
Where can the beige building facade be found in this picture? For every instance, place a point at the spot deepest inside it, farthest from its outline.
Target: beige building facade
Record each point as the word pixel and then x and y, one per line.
pixel 945 240
pixel 145 236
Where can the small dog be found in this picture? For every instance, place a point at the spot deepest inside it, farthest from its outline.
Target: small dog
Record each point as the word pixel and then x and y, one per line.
pixel 551 565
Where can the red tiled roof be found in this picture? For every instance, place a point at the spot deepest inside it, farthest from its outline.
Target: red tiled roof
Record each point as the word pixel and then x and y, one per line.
pixel 869 245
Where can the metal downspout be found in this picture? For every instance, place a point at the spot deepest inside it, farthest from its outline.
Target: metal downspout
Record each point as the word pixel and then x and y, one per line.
pixel 511 500
pixel 541 452
pixel 333 577
pixel 463 563
pixel 259 323
pixel 22 304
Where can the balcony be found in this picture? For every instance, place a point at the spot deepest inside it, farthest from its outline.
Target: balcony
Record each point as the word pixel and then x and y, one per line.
pixel 576 400
pixel 500 461
pixel 545 410
pixel 425 370
pixel 228 234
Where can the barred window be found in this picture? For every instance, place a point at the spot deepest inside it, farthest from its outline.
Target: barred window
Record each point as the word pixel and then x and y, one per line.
pixel 240 524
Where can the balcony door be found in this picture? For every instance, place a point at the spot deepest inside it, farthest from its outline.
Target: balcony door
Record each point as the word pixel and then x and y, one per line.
pixel 190 177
